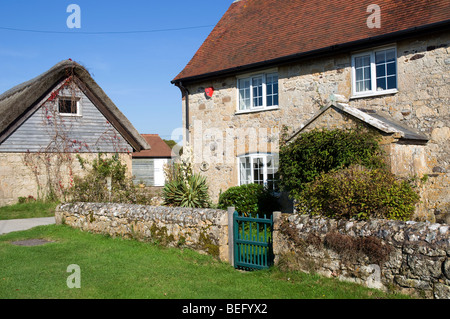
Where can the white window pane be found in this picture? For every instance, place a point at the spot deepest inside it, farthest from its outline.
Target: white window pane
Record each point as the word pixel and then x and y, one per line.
pixel 244 94
pixel 390 55
pixel 258 170
pixel 257 91
pixel 380 57
pixel 272 173
pixel 381 84
pixel 362 73
pixel 244 170
pixel 391 69
pixel 381 70
pixel 359 62
pixel 359 74
pixel 391 82
pixel 386 68
pixel 272 89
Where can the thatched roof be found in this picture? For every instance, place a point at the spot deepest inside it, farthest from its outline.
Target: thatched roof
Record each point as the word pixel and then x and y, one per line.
pixel 18 103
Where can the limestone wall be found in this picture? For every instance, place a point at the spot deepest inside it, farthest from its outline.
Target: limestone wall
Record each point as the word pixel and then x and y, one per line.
pixel 412 257
pixel 218 133
pixel 204 230
pixel 19 180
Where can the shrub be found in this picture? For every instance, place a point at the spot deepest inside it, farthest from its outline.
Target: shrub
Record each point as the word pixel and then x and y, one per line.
pixel 315 152
pixel 359 193
pixel 250 199
pixel 93 187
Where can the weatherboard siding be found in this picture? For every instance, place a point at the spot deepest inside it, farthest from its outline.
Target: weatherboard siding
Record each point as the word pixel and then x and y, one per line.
pixel 144 171
pixel 90 128
pixel 149 171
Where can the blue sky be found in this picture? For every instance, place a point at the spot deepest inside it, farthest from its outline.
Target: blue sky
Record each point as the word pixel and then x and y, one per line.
pixel 134 69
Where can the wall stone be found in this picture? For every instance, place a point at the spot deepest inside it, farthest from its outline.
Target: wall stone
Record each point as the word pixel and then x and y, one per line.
pixel 411 257
pixel 204 230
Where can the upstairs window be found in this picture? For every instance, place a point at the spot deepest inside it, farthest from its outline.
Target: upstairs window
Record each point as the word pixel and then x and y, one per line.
pixel 374 72
pixel 69 106
pixel 259 169
pixel 258 92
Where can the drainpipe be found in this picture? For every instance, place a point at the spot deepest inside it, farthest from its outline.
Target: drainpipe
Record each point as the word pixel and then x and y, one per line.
pixel 185 94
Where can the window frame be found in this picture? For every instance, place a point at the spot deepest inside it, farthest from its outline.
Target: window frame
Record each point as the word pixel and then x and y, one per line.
pixel 252 157
pixel 373 75
pixel 251 77
pixel 78 104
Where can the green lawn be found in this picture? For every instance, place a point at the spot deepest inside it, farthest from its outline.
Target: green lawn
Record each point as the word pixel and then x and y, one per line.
pixel 115 268
pixel 28 210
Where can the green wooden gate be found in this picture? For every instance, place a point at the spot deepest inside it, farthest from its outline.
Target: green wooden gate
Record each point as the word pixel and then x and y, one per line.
pixel 252 242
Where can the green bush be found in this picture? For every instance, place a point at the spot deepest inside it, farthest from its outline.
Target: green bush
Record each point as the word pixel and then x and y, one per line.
pixel 359 193
pixel 93 187
pixel 192 192
pixel 315 152
pixel 250 199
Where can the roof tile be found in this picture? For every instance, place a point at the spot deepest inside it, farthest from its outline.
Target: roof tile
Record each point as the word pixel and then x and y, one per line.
pixel 255 31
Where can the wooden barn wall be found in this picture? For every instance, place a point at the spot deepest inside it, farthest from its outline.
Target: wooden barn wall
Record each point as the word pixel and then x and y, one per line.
pixel 88 132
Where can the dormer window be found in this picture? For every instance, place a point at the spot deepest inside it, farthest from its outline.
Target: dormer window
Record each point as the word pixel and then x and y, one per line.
pixel 69 106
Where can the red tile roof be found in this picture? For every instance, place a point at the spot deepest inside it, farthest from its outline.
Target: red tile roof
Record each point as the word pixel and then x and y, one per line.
pixel 256 31
pixel 158 147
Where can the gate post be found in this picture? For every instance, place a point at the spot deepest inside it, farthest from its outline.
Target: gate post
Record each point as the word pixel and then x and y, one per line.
pixel 231 235
pixel 276 218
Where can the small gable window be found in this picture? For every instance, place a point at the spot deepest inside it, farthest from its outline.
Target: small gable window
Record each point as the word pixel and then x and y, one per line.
pixel 374 72
pixel 69 106
pixel 258 92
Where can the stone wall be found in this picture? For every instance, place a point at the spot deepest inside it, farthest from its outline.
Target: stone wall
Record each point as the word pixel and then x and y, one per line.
pixel 412 257
pixel 204 230
pixel 421 103
pixel 18 180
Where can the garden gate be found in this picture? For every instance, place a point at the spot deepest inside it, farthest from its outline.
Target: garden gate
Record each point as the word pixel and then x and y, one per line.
pixel 252 240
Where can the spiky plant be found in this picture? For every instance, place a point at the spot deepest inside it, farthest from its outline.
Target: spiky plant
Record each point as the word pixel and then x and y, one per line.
pixel 192 193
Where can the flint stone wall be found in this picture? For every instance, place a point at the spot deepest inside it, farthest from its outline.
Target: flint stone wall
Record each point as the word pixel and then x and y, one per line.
pixel 204 230
pixel 418 261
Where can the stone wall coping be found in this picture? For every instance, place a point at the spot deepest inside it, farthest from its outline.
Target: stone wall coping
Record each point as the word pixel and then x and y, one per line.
pixel 143 212
pixel 393 231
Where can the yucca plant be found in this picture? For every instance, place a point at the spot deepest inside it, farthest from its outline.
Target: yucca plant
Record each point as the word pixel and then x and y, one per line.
pixel 190 193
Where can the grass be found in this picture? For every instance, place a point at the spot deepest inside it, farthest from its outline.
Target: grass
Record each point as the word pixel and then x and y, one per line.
pixel 113 268
pixel 28 210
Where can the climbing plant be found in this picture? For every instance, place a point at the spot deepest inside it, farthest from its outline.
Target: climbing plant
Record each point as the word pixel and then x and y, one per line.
pixel 53 165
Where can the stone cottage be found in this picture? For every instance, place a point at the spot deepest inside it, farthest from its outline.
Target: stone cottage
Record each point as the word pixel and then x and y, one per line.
pixel 278 63
pixel 47 121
